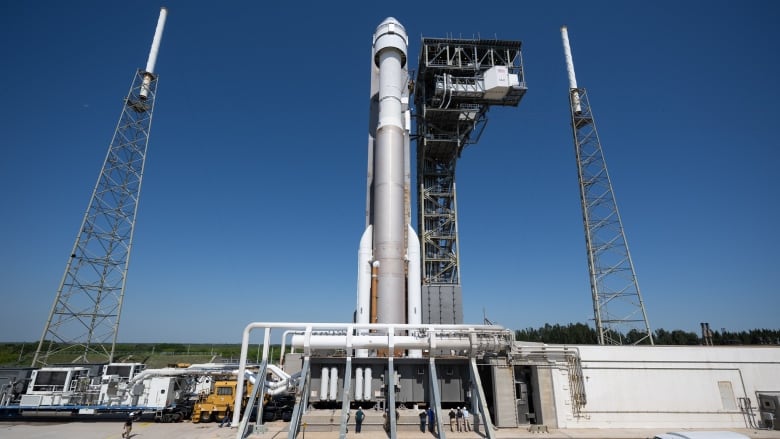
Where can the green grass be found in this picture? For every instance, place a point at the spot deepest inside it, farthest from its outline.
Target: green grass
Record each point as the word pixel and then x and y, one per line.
pixel 154 355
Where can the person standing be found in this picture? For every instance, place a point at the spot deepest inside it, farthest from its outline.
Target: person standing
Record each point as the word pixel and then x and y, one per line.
pixel 430 419
pixel 226 419
pixel 459 417
pixel 359 416
pixel 128 427
pixel 423 417
pixel 466 419
pixel 451 414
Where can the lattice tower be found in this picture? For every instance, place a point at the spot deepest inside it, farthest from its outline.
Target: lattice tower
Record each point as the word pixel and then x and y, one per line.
pixel 618 308
pixel 84 320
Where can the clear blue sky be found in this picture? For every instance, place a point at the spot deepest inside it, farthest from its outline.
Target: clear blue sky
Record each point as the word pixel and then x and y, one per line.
pixel 253 199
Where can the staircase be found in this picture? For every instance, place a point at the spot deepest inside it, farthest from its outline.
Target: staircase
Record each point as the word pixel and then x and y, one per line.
pixel 504 391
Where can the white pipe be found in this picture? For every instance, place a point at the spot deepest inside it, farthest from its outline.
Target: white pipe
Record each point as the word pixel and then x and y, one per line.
pixel 570 70
pixel 284 341
pixel 250 376
pixel 324 384
pixel 382 341
pixel 334 383
pixel 414 298
pixel 364 284
pixel 170 372
pixel 358 384
pixel 211 366
pixel 367 383
pixel 278 372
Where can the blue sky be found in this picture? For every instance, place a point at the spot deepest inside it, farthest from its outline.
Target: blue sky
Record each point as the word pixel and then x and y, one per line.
pixel 253 198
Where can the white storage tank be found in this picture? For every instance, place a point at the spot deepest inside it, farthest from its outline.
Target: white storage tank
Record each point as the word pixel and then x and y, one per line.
pixel 334 383
pixel 358 384
pixel 367 384
pixel 324 384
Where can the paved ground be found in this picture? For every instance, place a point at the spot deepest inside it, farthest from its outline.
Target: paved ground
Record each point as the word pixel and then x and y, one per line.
pixel 151 430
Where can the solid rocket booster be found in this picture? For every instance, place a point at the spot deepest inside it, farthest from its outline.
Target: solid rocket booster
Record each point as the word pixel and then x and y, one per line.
pixel 152 59
pixel 570 70
pixel 385 245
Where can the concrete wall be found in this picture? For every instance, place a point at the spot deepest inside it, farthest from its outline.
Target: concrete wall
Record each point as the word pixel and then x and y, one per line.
pixel 664 386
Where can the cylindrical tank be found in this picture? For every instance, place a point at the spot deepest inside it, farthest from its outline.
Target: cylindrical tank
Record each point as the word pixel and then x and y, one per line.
pixel 367 384
pixel 324 384
pixel 334 383
pixel 358 384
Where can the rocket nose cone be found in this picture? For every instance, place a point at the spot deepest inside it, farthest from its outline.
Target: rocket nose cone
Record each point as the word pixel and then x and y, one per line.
pixel 391 20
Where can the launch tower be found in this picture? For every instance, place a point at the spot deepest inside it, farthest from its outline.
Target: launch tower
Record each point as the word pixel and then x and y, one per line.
pixel 618 308
pixel 457 82
pixel 84 318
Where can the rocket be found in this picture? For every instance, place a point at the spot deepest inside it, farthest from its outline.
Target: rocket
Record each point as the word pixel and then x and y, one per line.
pixel 388 289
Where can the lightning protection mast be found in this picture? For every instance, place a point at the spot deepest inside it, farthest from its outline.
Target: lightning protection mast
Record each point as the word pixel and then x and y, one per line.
pixel 84 319
pixel 618 308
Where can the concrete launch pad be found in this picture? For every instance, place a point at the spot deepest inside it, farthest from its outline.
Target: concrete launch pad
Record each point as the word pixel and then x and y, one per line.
pixel 276 430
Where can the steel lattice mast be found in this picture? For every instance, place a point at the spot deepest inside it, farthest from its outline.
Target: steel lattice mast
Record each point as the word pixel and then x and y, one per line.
pixel 457 82
pixel 84 319
pixel 618 308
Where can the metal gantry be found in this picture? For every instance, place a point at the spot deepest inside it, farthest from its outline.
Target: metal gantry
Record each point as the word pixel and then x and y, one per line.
pixel 617 302
pixel 618 309
pixel 455 86
pixel 84 318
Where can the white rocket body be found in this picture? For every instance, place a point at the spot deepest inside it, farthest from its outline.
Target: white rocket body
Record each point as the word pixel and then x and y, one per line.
pixel 388 243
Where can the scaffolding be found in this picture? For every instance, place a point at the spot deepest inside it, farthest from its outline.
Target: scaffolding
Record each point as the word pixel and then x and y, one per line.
pixel 457 82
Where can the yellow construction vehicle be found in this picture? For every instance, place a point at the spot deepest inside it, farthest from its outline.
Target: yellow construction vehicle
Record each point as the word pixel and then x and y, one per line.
pixel 213 407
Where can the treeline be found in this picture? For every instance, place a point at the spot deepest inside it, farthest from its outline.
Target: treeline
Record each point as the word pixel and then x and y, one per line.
pixel 581 333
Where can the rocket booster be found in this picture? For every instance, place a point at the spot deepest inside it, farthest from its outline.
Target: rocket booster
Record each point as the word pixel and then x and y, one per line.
pixel 389 247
